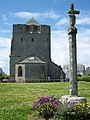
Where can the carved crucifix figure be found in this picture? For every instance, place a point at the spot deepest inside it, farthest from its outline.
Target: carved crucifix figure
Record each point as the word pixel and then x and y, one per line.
pixel 72 13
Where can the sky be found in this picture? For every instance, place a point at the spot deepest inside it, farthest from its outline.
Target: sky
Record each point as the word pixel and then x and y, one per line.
pixel 48 12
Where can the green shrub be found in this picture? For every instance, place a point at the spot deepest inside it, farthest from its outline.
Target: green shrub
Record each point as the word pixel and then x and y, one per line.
pixel 2 76
pixel 79 75
pixel 71 111
pixel 84 78
pixel 88 74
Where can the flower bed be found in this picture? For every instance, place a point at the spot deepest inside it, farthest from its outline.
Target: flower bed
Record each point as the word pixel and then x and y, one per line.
pixel 49 107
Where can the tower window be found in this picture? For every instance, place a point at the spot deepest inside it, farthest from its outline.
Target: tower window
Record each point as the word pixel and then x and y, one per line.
pixel 32 39
pixel 21 39
pixel 19 71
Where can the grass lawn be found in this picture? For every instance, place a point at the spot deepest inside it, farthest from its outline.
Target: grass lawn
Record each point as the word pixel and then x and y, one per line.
pixel 16 99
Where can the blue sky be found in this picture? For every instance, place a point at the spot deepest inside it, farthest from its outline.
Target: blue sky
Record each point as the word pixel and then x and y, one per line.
pixel 50 12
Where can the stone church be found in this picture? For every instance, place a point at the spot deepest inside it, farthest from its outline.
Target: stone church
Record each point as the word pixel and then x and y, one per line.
pixel 30 57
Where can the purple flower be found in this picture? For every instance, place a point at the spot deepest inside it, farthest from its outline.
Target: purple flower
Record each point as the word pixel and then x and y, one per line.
pixel 49 101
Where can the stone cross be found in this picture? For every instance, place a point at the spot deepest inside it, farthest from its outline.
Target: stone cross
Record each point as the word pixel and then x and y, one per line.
pixel 72 31
pixel 72 13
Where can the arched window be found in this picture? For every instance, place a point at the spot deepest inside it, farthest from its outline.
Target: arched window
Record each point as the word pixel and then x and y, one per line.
pixel 19 71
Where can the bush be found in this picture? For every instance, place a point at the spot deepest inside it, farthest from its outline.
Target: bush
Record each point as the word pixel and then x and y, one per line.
pixel 2 76
pixel 79 75
pixel 84 78
pixel 66 112
pixel 88 74
pixel 70 111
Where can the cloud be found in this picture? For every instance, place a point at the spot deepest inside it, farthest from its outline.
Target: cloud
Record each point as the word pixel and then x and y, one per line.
pixel 59 47
pixel 83 42
pixel 5 19
pixel 4 53
pixel 62 22
pixel 84 21
pixel 26 14
pixel 49 14
pixel 4 31
pixel 83 18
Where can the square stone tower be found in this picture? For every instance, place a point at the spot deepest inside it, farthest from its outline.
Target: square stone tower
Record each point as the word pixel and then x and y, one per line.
pixel 32 40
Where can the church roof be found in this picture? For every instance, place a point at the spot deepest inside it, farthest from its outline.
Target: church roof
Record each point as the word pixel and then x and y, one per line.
pixel 79 66
pixel 1 71
pixel 32 22
pixel 32 60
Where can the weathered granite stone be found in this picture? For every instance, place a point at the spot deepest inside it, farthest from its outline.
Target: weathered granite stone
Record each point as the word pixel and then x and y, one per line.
pixel 72 31
pixel 73 99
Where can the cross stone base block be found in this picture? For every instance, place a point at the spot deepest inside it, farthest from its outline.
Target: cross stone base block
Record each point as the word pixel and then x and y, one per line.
pixel 73 99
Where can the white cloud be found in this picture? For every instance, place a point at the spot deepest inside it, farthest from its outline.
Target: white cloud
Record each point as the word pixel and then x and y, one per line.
pixel 83 18
pixel 84 21
pixel 26 14
pixel 4 31
pixel 62 21
pixel 4 53
pixel 49 14
pixel 83 41
pixel 5 19
pixel 60 53
pixel 59 47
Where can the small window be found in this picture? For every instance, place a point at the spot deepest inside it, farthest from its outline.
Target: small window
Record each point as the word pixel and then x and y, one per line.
pixel 21 39
pixel 32 39
pixel 19 71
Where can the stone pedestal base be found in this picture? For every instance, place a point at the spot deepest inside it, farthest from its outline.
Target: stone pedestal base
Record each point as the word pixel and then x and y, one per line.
pixel 75 99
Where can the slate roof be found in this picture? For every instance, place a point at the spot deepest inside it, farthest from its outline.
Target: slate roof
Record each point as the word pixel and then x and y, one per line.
pixel 32 22
pixel 1 71
pixel 79 66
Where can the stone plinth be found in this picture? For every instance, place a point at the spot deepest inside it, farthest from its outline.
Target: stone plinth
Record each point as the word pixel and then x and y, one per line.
pixel 73 99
